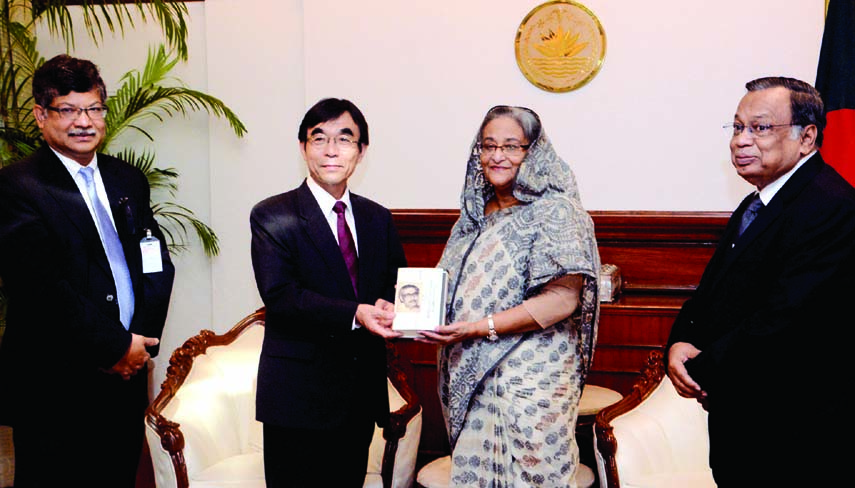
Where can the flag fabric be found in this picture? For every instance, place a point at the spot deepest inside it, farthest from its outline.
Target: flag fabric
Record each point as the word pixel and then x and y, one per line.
pixel 835 80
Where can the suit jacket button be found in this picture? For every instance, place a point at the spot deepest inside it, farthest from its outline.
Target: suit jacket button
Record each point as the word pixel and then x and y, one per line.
pixel 110 298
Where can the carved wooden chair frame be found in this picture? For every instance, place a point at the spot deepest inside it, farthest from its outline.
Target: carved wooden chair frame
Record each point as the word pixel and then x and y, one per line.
pixel 181 362
pixel 650 378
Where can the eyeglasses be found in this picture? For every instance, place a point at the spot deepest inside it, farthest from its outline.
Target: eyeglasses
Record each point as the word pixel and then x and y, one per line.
pixel 73 113
pixel 755 129
pixel 344 142
pixel 509 149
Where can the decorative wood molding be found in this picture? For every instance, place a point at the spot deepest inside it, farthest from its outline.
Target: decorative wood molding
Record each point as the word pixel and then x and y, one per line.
pixel 699 228
pixel 644 244
pixel 649 379
pixel 426 225
pixel 702 228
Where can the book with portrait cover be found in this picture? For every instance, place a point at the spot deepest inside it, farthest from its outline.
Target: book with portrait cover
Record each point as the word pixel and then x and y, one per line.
pixel 419 300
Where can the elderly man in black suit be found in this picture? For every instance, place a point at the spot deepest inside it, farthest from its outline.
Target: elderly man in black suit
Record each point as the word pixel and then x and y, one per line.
pixel 325 262
pixel 88 282
pixel 761 342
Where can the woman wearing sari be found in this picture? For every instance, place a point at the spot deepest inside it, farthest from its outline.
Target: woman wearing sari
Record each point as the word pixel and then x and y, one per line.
pixel 522 310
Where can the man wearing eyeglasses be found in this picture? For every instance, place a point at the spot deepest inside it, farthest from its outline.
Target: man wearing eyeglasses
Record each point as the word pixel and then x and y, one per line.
pixel 761 342
pixel 325 262
pixel 88 291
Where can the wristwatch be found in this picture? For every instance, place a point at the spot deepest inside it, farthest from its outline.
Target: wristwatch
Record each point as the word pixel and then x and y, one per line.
pixel 491 329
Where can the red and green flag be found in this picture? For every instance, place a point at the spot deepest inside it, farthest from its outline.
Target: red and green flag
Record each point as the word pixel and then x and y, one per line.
pixel 835 80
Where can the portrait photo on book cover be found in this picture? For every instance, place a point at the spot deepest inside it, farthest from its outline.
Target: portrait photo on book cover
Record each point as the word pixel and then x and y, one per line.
pixel 408 298
pixel 419 300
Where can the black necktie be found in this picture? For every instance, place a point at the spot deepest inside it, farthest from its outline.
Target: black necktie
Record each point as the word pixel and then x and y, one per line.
pixel 750 212
pixel 346 244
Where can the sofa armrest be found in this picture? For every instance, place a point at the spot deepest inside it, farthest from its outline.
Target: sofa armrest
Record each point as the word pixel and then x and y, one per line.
pixel 604 439
pixel 166 445
pixel 653 436
pixel 165 436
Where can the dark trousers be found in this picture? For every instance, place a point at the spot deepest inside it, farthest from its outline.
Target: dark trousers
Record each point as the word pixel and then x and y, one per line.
pixel 95 442
pixel 788 452
pixel 296 458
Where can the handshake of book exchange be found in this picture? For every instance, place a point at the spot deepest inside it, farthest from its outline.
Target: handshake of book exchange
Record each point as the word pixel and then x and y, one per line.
pixel 421 294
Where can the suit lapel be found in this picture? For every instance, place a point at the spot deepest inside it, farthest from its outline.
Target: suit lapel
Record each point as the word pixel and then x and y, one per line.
pixel 116 190
pixel 791 189
pixel 317 228
pixel 61 186
pixel 367 232
pixel 725 248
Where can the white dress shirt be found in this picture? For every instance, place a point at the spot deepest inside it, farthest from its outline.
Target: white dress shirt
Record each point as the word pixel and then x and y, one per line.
pixel 74 168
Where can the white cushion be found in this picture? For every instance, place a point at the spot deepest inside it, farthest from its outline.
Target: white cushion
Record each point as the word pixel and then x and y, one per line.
pixel 701 479
pixel 244 471
pixel 595 398
pixel 436 474
pixel 224 444
pixel 373 480
pixel 663 442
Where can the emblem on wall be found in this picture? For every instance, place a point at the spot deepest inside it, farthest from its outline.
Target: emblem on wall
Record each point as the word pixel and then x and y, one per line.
pixel 560 46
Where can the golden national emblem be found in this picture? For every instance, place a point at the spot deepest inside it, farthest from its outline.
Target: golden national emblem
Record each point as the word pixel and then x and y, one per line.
pixel 560 46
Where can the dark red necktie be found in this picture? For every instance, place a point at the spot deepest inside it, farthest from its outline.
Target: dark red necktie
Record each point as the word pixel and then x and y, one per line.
pixel 346 244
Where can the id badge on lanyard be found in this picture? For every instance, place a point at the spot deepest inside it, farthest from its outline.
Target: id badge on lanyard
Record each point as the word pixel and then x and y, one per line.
pixel 152 262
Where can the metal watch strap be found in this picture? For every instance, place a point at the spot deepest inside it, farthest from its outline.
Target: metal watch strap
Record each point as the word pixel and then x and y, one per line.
pixel 491 329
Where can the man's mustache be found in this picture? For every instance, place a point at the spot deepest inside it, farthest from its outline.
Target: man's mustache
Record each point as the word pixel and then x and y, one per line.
pixel 82 132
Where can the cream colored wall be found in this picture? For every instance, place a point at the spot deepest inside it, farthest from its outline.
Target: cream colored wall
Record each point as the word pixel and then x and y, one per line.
pixel 644 134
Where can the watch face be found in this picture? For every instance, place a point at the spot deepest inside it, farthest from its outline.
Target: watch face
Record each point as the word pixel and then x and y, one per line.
pixel 560 46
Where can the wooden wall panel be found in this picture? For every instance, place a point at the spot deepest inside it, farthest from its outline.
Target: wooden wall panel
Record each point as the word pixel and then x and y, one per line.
pixel 661 256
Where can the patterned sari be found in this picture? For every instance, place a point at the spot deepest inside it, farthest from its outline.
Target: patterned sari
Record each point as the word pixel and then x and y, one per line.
pixel 510 406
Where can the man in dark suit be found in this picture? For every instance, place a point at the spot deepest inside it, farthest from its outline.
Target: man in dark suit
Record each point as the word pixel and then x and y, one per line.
pixel 87 299
pixel 761 343
pixel 326 273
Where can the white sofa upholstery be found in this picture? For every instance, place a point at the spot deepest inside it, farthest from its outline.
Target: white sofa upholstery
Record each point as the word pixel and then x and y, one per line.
pixel 653 438
pixel 202 432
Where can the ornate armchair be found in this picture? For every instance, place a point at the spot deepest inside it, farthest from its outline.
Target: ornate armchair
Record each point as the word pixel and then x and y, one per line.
pixel 653 437
pixel 201 428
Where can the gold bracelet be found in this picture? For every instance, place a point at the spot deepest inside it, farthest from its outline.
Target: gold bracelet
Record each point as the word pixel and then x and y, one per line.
pixel 491 329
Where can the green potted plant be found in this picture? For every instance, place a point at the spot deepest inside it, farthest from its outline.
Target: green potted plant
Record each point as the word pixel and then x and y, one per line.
pixel 146 94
